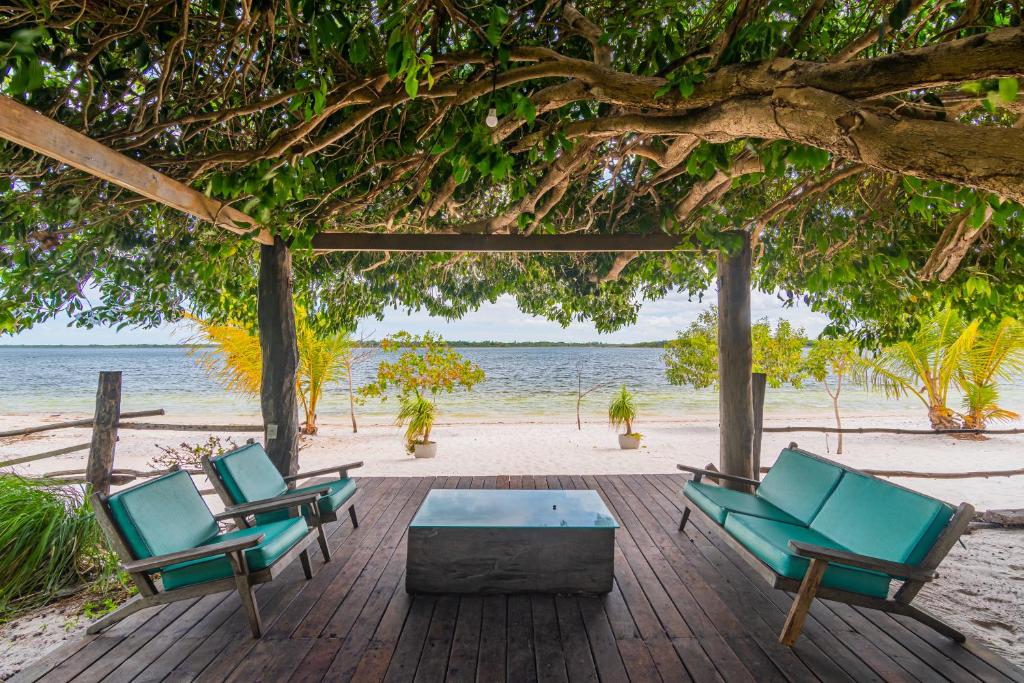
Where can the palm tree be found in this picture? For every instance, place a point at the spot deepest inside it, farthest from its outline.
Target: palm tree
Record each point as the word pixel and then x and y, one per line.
pixel 236 360
pixel 927 364
pixel 997 354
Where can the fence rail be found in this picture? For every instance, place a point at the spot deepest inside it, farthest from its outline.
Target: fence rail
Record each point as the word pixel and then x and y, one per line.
pixel 87 422
pixel 888 430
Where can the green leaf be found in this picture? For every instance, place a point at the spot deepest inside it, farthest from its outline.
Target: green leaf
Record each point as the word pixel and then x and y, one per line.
pixel 412 83
pixel 1008 90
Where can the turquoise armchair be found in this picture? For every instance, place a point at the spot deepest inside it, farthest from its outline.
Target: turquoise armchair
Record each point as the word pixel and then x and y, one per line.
pixel 820 529
pixel 247 476
pixel 172 547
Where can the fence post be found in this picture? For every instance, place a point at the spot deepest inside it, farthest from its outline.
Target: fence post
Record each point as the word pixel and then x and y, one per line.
pixel 104 432
pixel 758 380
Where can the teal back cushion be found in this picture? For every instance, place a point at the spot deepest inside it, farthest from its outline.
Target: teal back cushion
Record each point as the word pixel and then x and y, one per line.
pixel 249 475
pixel 799 484
pixel 163 515
pixel 872 517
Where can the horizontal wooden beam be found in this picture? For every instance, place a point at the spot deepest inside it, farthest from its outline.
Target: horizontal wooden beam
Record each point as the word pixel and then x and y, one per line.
pixel 28 128
pixel 447 242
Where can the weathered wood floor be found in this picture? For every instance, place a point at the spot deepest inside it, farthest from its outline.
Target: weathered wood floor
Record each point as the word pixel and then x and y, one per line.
pixel 684 608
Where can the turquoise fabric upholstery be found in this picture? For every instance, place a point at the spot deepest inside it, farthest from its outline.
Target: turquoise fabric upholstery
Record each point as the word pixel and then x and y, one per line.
pixel 340 491
pixel 248 474
pixel 162 515
pixel 799 484
pixel 769 541
pixel 717 502
pixel 280 537
pixel 872 517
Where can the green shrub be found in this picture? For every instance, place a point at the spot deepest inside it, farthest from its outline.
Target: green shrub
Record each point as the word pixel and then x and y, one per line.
pixel 49 543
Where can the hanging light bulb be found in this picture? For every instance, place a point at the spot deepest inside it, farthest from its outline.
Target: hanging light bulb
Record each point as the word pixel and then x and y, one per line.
pixel 492 118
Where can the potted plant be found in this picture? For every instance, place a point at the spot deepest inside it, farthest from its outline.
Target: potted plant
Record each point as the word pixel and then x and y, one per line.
pixel 425 366
pixel 622 412
pixel 417 414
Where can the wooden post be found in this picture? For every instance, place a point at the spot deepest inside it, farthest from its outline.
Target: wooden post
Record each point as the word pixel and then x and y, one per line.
pixel 104 432
pixel 735 361
pixel 757 388
pixel 276 313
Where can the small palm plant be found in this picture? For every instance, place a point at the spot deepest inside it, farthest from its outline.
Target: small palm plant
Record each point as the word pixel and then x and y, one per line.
pixel 236 360
pixel 622 413
pixel 927 364
pixel 997 354
pixel 417 414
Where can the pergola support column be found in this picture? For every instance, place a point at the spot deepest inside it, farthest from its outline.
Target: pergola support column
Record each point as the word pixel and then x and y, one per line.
pixel 276 313
pixel 735 363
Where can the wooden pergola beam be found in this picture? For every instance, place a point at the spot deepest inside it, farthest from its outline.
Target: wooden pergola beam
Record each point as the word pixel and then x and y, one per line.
pixel 448 242
pixel 28 128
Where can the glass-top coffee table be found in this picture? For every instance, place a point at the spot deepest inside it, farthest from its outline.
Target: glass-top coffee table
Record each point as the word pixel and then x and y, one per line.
pixel 511 541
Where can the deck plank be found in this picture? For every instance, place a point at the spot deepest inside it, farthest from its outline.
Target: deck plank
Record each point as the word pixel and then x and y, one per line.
pixel 684 607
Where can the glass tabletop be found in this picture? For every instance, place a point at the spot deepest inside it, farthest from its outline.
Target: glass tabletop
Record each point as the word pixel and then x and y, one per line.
pixel 516 508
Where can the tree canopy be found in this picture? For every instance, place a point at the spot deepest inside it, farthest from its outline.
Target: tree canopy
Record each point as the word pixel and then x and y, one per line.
pixel 872 152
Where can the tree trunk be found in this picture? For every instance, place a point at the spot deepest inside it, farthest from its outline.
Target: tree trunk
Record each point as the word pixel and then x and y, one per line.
pixel 835 409
pixel 735 363
pixel 104 432
pixel 757 388
pixel 280 354
pixel 351 396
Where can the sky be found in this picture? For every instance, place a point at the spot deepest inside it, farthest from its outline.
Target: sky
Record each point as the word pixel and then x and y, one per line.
pixel 501 321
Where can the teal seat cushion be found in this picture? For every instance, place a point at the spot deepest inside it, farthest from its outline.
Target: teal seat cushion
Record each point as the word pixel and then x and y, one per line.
pixel 799 484
pixel 163 515
pixel 873 517
pixel 717 502
pixel 340 491
pixel 769 541
pixel 280 538
pixel 248 474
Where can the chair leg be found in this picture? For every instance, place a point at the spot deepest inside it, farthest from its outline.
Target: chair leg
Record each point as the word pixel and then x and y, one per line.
pixel 933 623
pixel 321 538
pixel 307 568
pixel 686 516
pixel 126 610
pixel 352 514
pixel 802 603
pixel 252 610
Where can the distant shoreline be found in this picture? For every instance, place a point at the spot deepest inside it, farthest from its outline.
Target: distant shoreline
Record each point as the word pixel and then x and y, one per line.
pixel 460 344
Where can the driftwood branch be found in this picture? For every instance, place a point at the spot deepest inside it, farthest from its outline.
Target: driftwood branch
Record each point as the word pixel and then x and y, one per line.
pixel 891 430
pixel 159 426
pixel 87 422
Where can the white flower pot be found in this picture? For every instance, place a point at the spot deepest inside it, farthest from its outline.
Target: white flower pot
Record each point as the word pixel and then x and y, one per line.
pixel 425 450
pixel 628 442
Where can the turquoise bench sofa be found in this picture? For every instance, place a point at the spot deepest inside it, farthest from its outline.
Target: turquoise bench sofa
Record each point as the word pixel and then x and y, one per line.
pixel 172 546
pixel 820 529
pixel 246 475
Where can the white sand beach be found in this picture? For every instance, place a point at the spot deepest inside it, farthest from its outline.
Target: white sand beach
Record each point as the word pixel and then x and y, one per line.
pixel 981 587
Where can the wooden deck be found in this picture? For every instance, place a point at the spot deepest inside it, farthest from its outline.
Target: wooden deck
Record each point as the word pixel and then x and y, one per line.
pixel 684 608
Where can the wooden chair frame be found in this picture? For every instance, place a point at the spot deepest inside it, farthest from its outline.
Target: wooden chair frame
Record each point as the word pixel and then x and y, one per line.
pixel 340 470
pixel 244 580
pixel 914 576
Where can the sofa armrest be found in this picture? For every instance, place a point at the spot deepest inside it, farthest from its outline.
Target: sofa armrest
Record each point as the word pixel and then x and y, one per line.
pixel 341 470
pixel 897 569
pixel 223 548
pixel 698 473
pixel 271 504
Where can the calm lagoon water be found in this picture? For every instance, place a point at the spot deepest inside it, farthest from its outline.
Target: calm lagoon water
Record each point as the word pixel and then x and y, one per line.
pixel 522 383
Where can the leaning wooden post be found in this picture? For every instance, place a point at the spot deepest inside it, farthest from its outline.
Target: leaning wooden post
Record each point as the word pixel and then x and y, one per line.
pixel 735 362
pixel 104 432
pixel 276 313
pixel 757 388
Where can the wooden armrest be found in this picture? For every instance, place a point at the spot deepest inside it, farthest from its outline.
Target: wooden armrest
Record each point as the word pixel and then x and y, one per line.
pixel 698 473
pixel 897 569
pixel 222 548
pixel 271 504
pixel 342 471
